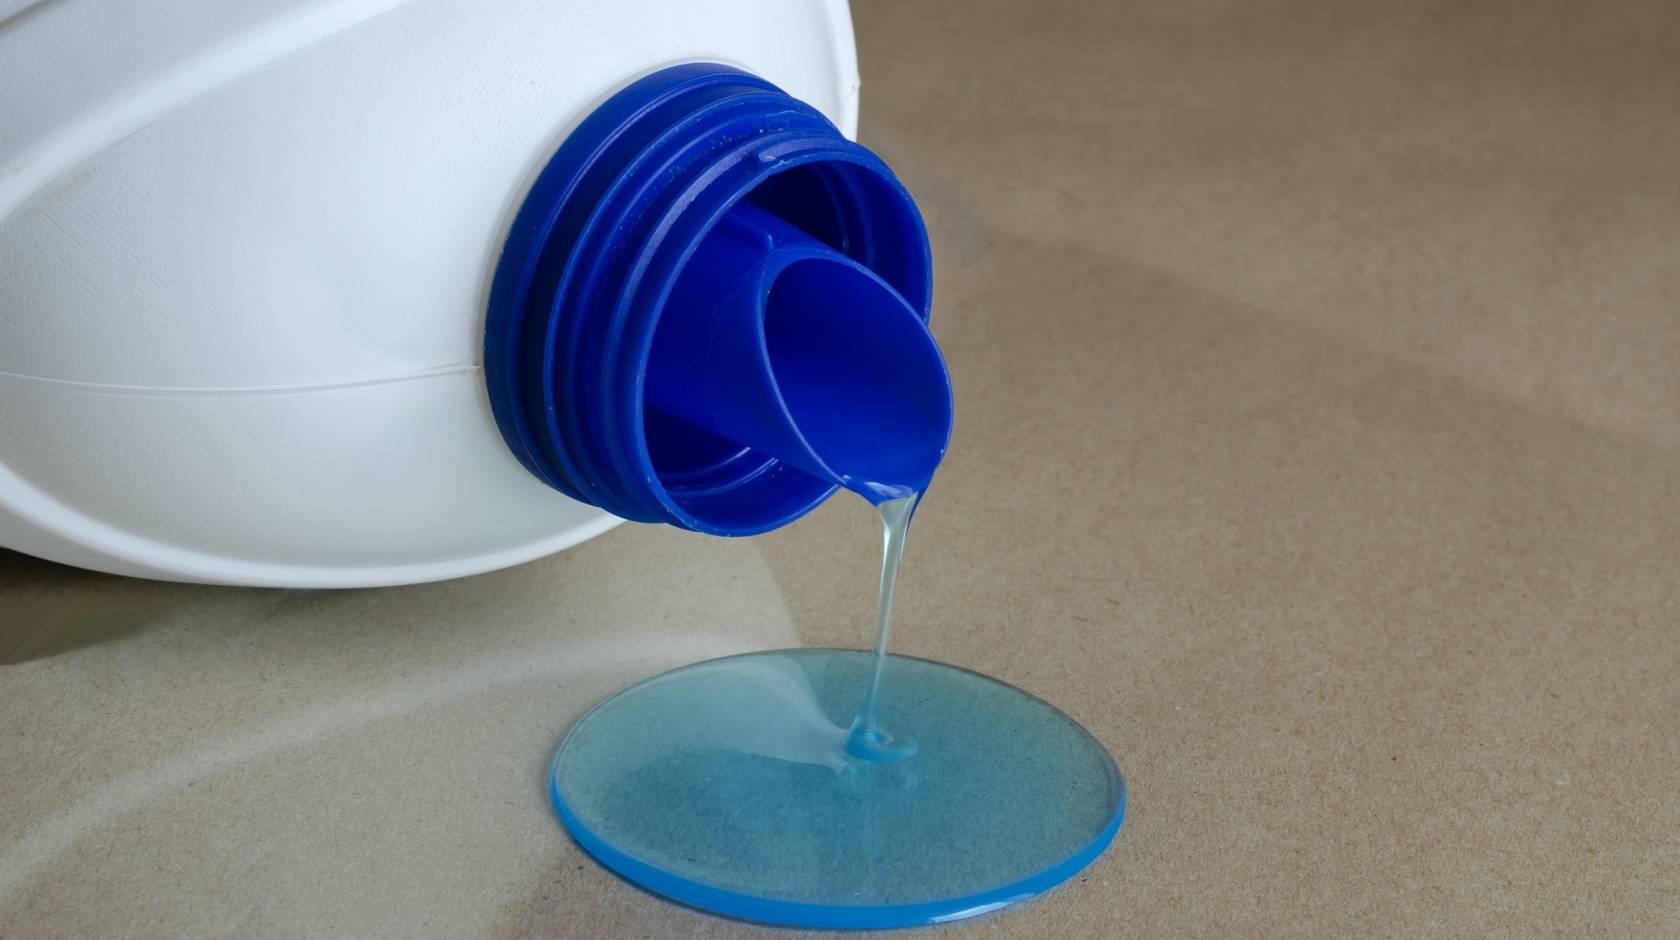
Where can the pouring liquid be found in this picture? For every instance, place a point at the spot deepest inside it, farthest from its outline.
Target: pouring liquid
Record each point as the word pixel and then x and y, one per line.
pixel 779 787
pixel 868 740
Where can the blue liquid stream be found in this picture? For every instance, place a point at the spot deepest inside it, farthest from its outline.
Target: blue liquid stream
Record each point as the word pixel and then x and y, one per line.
pixel 867 739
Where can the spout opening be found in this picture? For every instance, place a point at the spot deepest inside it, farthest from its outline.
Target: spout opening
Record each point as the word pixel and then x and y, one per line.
pixel 859 374
pixel 718 485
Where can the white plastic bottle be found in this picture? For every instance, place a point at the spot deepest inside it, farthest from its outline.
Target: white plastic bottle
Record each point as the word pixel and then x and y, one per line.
pixel 245 251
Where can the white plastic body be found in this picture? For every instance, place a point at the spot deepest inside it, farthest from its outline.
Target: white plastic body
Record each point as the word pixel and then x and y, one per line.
pixel 245 247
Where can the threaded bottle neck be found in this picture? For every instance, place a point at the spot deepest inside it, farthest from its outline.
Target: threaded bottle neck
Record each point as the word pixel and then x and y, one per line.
pixel 602 252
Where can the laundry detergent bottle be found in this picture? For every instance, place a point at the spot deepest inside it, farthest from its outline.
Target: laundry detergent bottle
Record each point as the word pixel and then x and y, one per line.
pixel 354 292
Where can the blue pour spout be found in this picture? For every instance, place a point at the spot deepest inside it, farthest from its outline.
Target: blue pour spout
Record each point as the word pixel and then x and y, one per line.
pixel 711 311
pixel 775 341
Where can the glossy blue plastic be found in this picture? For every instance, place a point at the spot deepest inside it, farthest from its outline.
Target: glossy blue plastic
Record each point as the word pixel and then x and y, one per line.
pixel 727 785
pixel 702 296
pixel 776 341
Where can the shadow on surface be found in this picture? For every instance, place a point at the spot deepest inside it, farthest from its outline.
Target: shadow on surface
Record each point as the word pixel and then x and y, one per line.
pixel 48 608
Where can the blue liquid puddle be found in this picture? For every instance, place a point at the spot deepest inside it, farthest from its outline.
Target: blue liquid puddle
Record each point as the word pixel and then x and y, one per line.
pixel 732 785
pixel 838 788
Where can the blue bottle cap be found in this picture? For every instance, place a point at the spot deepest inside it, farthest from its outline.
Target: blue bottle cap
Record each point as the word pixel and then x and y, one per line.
pixel 711 311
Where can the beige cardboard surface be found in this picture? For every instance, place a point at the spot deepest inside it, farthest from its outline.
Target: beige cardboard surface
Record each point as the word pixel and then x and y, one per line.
pixel 1318 446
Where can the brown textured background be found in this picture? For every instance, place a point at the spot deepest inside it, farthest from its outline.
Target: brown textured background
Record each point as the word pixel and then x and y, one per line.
pixel 1318 446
